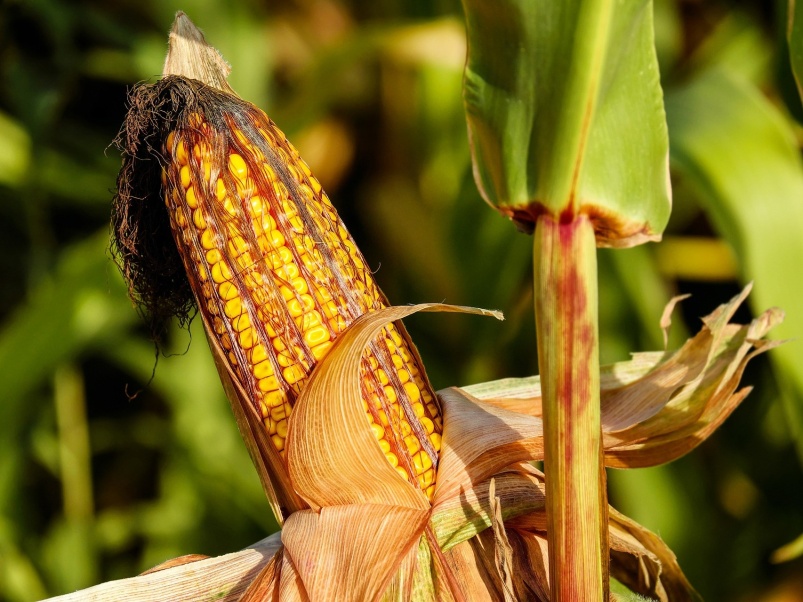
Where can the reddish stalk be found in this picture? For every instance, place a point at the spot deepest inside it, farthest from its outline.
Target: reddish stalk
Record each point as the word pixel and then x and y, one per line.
pixel 568 358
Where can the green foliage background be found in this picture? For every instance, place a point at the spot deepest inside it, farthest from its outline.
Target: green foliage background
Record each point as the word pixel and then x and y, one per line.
pixel 95 485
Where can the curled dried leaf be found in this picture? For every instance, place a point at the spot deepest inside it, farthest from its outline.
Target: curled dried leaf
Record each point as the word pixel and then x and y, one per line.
pixel 332 454
pixel 659 406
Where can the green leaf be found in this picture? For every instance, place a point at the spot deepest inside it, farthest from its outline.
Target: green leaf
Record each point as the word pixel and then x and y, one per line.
pixel 15 151
pixel 739 154
pixel 795 38
pixel 83 303
pixel 565 113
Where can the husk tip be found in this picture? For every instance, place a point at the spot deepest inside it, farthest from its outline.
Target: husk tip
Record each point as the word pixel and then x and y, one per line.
pixel 190 55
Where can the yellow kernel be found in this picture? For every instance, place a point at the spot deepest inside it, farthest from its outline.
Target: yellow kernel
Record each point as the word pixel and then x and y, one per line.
pixel 384 445
pixel 245 260
pixel 390 394
pixel 322 294
pixel 184 175
pixel 412 391
pixel 436 441
pixel 428 425
pixel 198 219
pixel 258 354
pixel 237 245
pixel 273 399
pixel 309 320
pixel 262 371
pixel 316 186
pixel 296 224
pixel 278 442
pixel 320 350
pixel 220 190
pixel 302 243
pixel 263 409
pixel 237 167
pixel 412 444
pixel 279 257
pixel 405 428
pixel 422 461
pixel 180 219
pixel 213 256
pixel 404 376
pixel 221 272
pixel 287 292
pixel 402 472
pixel 241 322
pixel 430 491
pixel 315 336
pixel 383 417
pixel 189 197
pixel 281 428
pixel 234 307
pixel 426 479
pixel 230 207
pixel 268 171
pixel 300 305
pixel 398 362
pixel 200 150
pixel 266 222
pixel 275 238
pixel 269 382
pixel 181 153
pixel 206 166
pixel 294 373
pixel 287 272
pixel 300 286
pixel 394 461
pixel 227 291
pixel 307 192
pixel 418 409
pixel 246 338
pixel 208 239
pixel 379 431
pixel 383 378
pixel 337 324
pixel 278 413
pixel 280 190
pixel 225 340
pixel 330 309
pixel 433 409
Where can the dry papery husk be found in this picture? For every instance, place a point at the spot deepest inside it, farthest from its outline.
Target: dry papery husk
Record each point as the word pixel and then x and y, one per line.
pixel 369 534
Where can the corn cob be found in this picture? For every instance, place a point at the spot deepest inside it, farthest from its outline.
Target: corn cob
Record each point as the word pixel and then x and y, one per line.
pixel 280 278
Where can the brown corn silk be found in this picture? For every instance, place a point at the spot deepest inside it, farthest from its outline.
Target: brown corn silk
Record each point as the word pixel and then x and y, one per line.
pixel 275 274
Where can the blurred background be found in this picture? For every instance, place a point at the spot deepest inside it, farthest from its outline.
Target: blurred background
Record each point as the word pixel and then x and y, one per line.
pixel 112 461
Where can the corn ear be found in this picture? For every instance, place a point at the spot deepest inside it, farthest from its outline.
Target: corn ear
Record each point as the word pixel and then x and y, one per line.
pixel 271 268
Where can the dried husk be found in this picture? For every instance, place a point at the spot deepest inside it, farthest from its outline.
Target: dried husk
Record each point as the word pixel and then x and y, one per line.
pixel 483 440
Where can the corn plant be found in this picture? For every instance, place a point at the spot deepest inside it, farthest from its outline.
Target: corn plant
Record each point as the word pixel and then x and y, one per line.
pixel 384 488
